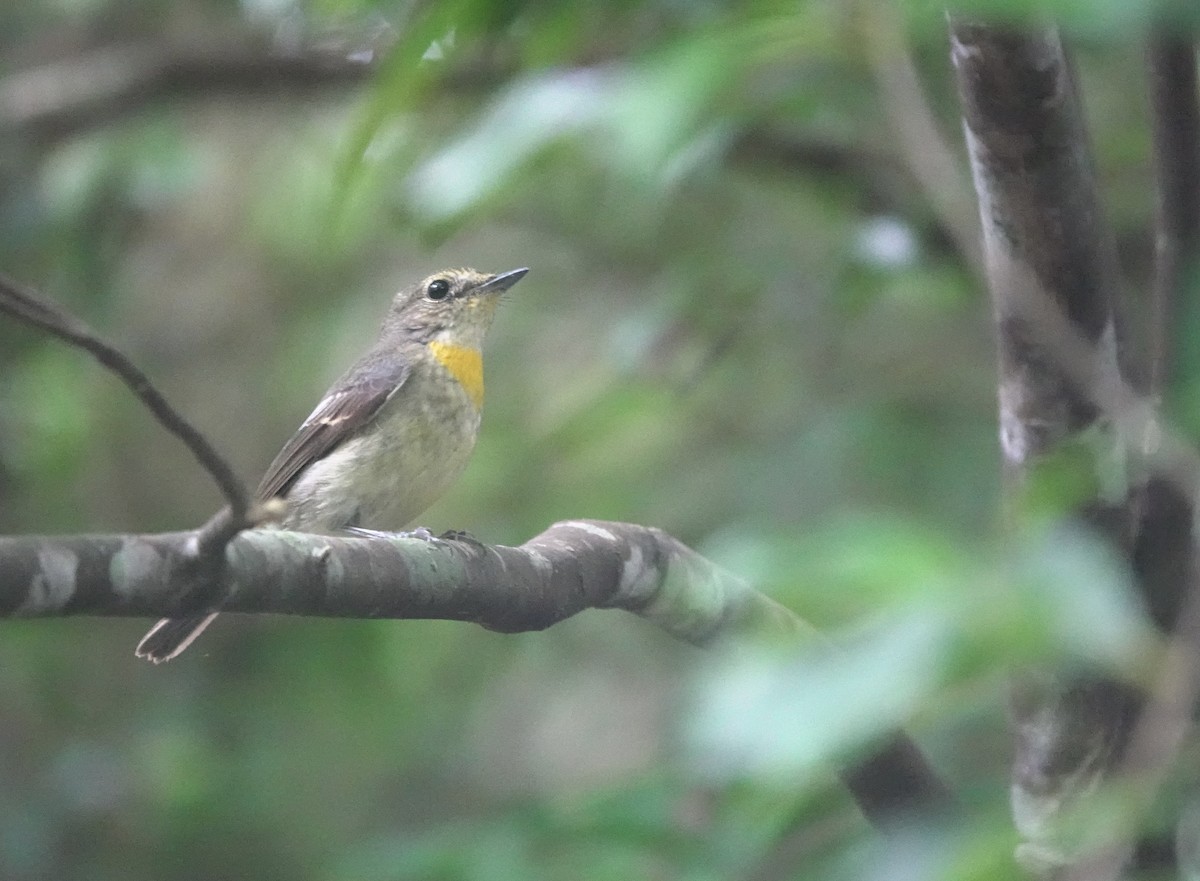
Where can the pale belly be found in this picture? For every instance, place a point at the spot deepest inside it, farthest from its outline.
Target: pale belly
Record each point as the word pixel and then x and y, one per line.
pixel 414 450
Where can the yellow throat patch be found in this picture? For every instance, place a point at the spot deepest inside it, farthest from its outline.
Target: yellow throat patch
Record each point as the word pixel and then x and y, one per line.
pixel 465 365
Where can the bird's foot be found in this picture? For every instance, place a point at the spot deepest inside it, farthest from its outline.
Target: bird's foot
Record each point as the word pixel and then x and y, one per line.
pixel 461 535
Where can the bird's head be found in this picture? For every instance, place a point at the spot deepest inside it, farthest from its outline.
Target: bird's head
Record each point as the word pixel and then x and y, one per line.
pixel 455 306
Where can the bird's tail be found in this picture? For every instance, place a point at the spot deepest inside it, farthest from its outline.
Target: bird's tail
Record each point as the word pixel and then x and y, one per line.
pixel 170 636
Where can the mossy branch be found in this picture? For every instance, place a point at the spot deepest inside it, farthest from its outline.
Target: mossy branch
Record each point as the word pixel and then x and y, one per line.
pixel 572 566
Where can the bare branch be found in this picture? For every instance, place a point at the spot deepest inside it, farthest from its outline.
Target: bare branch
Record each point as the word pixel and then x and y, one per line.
pixel 879 174
pixel 572 566
pixel 1159 732
pixel 1154 744
pixel 1171 63
pixel 60 98
pixel 893 787
pixel 1045 237
pixel 1054 283
pixel 24 305
pixel 920 142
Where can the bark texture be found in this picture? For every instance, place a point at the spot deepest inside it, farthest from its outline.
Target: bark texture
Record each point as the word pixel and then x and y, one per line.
pixel 1054 283
pixel 572 566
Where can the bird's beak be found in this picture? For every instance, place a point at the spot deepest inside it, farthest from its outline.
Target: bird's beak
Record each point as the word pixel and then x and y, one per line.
pixel 502 282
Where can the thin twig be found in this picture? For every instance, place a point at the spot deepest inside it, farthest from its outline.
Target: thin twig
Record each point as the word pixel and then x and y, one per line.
pixel 1171 64
pixel 1155 742
pixel 919 139
pixel 1166 718
pixel 59 98
pixel 24 305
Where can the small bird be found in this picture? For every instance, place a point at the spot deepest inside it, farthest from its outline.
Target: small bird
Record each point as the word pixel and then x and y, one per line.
pixel 391 435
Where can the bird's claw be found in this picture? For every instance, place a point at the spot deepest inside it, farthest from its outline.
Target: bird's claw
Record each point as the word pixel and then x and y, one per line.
pixel 460 535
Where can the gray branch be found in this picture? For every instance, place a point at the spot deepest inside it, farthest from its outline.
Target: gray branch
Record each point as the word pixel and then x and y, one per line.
pixel 1054 284
pixel 1171 64
pixel 1047 244
pixel 61 98
pixel 572 566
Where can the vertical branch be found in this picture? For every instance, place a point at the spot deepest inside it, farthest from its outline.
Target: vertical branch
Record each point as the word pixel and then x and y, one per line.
pixel 1053 280
pixel 1164 555
pixel 1164 552
pixel 1171 64
pixel 920 141
pixel 1046 242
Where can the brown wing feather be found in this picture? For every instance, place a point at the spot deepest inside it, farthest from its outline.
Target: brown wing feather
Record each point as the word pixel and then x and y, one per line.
pixel 351 403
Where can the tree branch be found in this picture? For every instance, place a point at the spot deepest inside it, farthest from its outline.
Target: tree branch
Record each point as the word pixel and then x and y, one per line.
pixel 1046 240
pixel 1154 744
pixel 921 144
pixel 1054 282
pixel 572 566
pixel 24 305
pixel 60 98
pixel 1171 65
pixel 1165 552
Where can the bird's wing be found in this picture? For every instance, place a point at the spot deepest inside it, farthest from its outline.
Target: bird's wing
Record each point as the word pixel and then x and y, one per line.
pixel 350 403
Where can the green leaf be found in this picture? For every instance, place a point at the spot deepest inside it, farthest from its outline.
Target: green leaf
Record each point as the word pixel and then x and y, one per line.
pixel 1074 585
pixel 780 716
pixel 644 120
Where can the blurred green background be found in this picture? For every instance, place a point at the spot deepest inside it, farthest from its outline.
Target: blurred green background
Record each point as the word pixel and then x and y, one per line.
pixel 753 319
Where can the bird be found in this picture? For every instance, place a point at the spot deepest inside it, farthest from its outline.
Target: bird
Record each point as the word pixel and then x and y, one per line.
pixel 391 435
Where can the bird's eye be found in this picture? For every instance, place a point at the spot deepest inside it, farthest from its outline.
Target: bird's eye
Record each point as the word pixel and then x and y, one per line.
pixel 438 288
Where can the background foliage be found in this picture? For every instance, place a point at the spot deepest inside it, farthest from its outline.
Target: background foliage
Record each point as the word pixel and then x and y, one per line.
pixel 746 322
